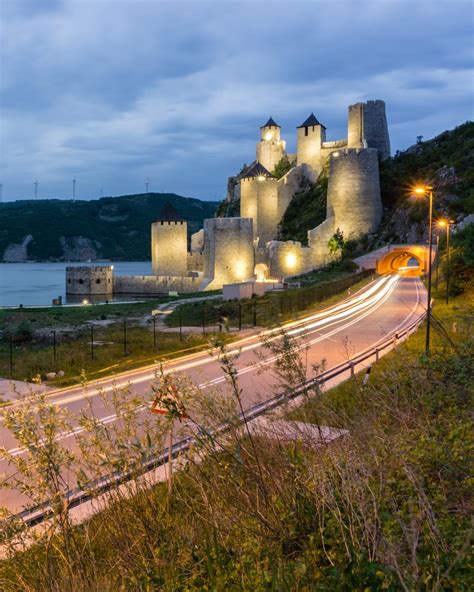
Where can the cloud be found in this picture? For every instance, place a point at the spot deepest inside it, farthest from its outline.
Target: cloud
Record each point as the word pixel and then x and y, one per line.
pixel 114 92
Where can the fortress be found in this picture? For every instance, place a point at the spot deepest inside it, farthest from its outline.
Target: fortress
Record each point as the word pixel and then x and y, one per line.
pixel 232 250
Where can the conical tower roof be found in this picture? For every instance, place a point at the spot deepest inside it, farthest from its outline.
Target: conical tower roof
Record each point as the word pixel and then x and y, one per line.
pixel 311 120
pixel 169 214
pixel 257 170
pixel 270 123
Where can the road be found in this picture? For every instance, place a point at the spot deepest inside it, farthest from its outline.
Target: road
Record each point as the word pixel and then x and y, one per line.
pixel 379 310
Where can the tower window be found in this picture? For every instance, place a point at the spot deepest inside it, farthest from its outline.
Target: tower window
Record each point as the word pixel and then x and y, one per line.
pixel 97 281
pixel 306 130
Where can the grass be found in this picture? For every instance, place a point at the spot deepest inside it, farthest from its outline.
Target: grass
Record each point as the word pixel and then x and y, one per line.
pixel 386 508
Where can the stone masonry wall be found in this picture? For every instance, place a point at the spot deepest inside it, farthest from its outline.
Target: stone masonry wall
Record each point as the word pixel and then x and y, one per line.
pixel 228 251
pixel 169 248
pixel 153 284
pixel 95 280
pixel 368 121
pixel 259 201
pixel 288 258
pixel 308 149
pixel 354 204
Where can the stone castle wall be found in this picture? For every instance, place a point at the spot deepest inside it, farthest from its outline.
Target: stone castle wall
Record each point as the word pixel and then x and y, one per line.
pixel 84 281
pixel 228 251
pixel 289 184
pixel 259 201
pixel 169 248
pixel 354 204
pixel 368 121
pixel 288 258
pixel 154 284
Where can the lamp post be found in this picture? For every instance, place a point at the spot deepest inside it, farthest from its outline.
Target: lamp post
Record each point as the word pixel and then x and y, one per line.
pixel 446 224
pixel 426 190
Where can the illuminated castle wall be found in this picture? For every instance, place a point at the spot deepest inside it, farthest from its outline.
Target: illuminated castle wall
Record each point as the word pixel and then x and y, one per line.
pixel 229 250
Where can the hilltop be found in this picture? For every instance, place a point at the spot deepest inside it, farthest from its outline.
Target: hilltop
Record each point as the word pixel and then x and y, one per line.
pixel 116 228
pixel 446 162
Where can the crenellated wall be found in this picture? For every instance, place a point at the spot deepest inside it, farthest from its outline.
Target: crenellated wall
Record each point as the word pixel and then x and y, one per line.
pixel 169 248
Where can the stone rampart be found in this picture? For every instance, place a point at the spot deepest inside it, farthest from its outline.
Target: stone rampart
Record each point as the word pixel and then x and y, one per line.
pixel 153 284
pixel 93 280
pixel 354 204
pixel 228 251
pixel 259 201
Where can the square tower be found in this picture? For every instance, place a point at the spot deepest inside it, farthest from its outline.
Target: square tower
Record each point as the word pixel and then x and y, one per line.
pixel 169 243
pixel 311 135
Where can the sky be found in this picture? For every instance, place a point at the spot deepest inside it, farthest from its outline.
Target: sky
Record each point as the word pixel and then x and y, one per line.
pixel 113 93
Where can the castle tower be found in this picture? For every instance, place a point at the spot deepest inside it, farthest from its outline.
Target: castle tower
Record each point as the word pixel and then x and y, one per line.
pixel 367 127
pixel 228 251
pixel 271 147
pixel 169 243
pixel 259 201
pixel 311 135
pixel 354 205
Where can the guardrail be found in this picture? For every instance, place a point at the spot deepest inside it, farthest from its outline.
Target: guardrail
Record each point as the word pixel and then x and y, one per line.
pixel 76 497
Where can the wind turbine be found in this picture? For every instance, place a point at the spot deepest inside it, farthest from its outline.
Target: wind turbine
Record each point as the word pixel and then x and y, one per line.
pixel 146 185
pixel 36 188
pixel 74 189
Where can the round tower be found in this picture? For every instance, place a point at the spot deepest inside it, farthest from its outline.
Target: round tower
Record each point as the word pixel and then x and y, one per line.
pixel 354 191
pixel 310 136
pixel 367 127
pixel 169 243
pixel 271 147
pixel 259 201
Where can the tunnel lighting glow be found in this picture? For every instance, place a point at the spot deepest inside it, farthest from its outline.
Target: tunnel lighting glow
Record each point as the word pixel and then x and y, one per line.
pixel 290 260
pixel 268 136
pixel 335 153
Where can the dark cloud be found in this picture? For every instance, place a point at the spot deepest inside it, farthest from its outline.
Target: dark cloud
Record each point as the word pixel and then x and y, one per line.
pixel 114 92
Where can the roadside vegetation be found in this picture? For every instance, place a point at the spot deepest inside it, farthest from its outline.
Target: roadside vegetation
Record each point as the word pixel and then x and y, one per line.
pixel 388 506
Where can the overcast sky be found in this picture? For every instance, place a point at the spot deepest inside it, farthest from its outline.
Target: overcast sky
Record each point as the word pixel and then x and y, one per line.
pixel 114 92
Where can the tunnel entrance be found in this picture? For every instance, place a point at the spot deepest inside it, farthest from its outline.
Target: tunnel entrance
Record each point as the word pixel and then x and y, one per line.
pixel 403 261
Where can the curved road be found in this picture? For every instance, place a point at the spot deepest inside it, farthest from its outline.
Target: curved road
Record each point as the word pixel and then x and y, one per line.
pixel 379 310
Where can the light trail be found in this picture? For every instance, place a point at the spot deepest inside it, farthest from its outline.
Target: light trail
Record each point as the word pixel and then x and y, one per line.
pixel 377 301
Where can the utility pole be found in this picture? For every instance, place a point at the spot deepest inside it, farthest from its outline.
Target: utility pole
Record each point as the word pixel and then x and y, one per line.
pixel 36 188
pixel 74 189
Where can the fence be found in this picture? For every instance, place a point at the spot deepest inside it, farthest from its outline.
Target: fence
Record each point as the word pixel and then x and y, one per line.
pixel 92 347
pixel 78 496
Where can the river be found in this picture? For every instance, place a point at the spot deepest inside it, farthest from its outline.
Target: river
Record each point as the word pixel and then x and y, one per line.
pixel 38 283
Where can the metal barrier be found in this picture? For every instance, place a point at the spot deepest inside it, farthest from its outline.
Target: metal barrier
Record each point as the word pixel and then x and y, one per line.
pixel 78 496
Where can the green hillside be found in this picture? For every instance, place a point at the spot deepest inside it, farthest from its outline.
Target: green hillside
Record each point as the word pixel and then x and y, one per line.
pixel 114 227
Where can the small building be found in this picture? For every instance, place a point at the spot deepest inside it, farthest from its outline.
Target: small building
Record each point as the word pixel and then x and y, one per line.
pixel 242 290
pixel 89 281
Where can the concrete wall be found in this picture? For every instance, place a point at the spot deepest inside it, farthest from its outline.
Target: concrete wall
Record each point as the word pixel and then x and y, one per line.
pixel 259 201
pixel 228 251
pixel 153 284
pixel 169 248
pixel 308 149
pixel 89 280
pixel 242 290
pixel 368 121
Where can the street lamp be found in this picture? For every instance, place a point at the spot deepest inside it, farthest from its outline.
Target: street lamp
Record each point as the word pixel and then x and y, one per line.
pixel 426 190
pixel 446 224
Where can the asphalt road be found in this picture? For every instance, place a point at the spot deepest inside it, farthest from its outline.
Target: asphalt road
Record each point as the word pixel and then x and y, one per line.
pixel 371 315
